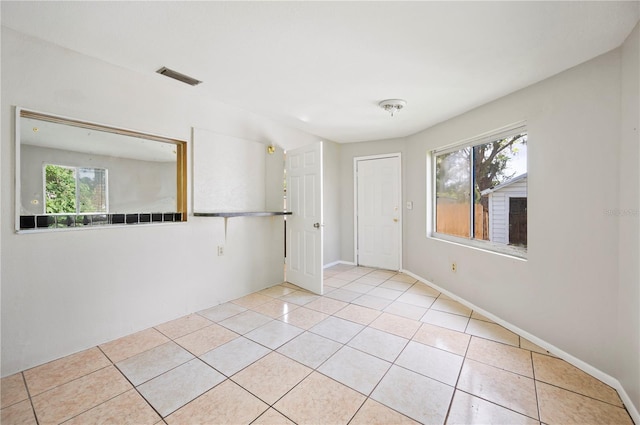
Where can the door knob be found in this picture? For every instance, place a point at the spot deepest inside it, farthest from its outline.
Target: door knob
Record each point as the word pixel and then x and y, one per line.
pixel 316 225
pixel 395 220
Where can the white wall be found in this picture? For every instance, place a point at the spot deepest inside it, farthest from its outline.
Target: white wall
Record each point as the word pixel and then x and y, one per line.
pixel 229 173
pixel 579 287
pixel 121 280
pixel 567 292
pixel 628 326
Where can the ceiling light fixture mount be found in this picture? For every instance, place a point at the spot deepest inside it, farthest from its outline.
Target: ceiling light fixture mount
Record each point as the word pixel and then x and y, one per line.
pixel 392 105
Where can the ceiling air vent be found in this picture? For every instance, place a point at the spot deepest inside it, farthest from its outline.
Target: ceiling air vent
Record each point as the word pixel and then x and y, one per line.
pixel 177 76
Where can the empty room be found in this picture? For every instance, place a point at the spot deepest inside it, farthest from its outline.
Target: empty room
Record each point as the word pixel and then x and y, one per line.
pixel 247 212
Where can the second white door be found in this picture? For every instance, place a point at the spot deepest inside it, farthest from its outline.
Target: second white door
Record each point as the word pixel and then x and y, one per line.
pixel 304 226
pixel 378 212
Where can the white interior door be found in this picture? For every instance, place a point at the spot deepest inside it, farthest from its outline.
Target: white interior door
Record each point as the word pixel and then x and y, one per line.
pixel 378 212
pixel 304 226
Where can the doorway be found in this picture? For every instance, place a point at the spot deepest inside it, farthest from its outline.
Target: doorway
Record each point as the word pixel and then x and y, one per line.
pixel 518 221
pixel 378 211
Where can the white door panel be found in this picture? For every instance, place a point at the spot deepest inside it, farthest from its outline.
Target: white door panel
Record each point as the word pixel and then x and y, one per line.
pixel 304 230
pixel 379 213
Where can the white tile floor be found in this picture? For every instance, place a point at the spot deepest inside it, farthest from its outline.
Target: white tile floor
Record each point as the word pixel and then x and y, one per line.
pixel 377 348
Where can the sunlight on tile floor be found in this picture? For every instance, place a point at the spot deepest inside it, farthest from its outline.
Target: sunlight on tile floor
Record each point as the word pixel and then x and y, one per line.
pixel 377 348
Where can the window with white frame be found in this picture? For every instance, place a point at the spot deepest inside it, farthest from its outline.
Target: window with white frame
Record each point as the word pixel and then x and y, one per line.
pixel 75 190
pixel 480 192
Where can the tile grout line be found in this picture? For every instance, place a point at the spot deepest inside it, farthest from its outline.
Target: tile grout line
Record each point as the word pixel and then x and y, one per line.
pixel 464 357
pixel 381 379
pixel 272 405
pixel 364 326
pixel 357 410
pixel 576 392
pixel 411 339
pixel 227 377
pixel 380 358
pixel 623 407
pixel 99 404
pixel 455 386
pixel 494 366
pixel 188 333
pixel 33 408
pixel 68 382
pixel 316 369
pixel 535 386
pixel 496 404
pixel 468 322
pixel 500 342
pixel 131 383
pixel 482 398
pixel 368 396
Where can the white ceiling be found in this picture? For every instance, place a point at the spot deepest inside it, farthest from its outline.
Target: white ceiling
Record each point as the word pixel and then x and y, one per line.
pixel 323 66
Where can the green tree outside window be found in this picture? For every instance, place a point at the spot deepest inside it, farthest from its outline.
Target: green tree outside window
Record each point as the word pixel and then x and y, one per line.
pixel 70 190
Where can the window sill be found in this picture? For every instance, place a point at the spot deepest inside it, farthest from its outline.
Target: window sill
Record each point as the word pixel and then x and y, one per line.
pixel 486 246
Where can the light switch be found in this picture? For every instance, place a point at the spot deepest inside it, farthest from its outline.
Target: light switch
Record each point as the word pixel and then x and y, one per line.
pixel 409 205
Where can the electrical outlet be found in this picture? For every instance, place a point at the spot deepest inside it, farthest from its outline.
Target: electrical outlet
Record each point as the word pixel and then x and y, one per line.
pixel 454 267
pixel 220 250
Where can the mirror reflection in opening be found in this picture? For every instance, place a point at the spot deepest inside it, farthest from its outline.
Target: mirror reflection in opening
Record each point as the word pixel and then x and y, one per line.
pixel 69 168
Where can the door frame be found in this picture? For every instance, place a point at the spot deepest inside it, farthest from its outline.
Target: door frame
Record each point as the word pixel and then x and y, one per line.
pixel 356 159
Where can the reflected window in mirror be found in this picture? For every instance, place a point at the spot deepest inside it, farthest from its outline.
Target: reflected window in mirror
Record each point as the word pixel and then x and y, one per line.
pixel 75 190
pixel 73 173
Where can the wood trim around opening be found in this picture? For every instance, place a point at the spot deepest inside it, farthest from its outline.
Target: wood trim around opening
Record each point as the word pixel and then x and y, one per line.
pixel 181 180
pixel 181 148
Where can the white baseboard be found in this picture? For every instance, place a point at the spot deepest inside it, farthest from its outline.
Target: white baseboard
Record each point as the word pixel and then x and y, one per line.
pixel 348 263
pixel 591 370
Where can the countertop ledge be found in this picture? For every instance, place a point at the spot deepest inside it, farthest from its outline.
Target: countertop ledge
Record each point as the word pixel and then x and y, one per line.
pixel 241 214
